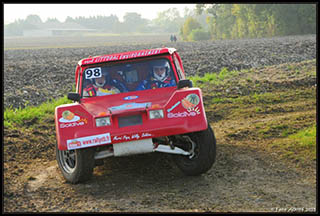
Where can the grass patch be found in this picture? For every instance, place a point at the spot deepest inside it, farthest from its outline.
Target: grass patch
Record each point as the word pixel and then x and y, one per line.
pixel 275 130
pixel 300 146
pixel 217 100
pixel 306 137
pixel 31 114
pixel 267 98
pixel 213 78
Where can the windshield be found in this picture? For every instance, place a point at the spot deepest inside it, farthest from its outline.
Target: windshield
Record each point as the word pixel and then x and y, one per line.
pixel 124 77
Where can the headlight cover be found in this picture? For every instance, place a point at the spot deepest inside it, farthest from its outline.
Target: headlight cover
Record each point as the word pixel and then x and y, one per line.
pixel 156 114
pixel 104 121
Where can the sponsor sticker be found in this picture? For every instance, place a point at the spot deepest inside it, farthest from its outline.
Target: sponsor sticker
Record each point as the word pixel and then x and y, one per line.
pixel 68 116
pixel 131 97
pixel 131 137
pixel 122 56
pixel 74 144
pixel 183 114
pixel 89 141
pixel 69 119
pixel 174 106
pixel 130 106
pixel 190 101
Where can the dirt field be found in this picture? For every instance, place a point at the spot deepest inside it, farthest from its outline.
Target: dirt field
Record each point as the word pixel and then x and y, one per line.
pixel 49 72
pixel 250 113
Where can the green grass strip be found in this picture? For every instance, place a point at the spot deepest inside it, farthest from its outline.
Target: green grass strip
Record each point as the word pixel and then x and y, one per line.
pixel 305 138
pixel 18 116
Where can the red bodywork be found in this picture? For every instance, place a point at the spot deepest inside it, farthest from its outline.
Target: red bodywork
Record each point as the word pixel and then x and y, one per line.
pixel 78 127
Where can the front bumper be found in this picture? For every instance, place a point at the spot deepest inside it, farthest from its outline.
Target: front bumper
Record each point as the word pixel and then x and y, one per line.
pixel 126 127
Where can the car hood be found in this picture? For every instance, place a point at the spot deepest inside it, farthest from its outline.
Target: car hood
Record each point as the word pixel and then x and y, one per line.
pixel 127 102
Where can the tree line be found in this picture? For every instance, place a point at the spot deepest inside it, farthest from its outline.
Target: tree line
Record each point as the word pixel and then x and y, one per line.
pixel 168 21
pixel 231 21
pixel 205 22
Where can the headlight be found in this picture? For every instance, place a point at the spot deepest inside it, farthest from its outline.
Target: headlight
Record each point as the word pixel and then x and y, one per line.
pixel 102 121
pixel 155 114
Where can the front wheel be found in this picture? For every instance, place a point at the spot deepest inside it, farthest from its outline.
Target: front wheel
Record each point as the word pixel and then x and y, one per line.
pixel 76 165
pixel 202 146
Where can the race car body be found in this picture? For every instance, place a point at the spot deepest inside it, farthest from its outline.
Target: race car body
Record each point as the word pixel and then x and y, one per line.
pixel 132 103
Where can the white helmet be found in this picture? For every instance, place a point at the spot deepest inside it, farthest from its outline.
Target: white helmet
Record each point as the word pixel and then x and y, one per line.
pixel 101 81
pixel 160 70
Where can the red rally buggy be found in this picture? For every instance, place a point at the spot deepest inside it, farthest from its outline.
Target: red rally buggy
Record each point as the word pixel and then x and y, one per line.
pixel 169 119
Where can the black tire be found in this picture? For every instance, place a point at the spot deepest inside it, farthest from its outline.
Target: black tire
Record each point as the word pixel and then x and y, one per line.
pixel 184 83
pixel 204 153
pixel 76 165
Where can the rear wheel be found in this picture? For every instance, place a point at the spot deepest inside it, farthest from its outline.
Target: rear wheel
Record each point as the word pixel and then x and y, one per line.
pixel 202 146
pixel 76 165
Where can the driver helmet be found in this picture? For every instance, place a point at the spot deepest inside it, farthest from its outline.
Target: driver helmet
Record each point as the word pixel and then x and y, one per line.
pixel 101 81
pixel 161 70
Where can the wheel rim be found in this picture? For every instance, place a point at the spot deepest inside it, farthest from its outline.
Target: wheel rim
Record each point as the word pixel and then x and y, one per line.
pixel 68 160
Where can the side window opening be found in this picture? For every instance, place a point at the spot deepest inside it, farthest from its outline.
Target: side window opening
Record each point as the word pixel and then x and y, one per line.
pixel 179 70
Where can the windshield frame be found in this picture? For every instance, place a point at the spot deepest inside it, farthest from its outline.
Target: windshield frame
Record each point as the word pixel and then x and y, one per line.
pixel 168 58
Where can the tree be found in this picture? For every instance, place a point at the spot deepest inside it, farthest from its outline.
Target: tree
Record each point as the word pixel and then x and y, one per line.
pixel 295 18
pixel 188 12
pixel 52 20
pixel 33 19
pixel 168 20
pixel 198 34
pixel 189 25
pixel 259 20
pixel 225 21
pixel 13 29
pixel 240 29
pixel 132 22
pixel 31 22
pixel 110 23
pixel 69 19
pixel 307 17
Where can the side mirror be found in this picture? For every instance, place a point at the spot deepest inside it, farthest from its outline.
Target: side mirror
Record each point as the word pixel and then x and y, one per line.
pixel 74 96
pixel 184 83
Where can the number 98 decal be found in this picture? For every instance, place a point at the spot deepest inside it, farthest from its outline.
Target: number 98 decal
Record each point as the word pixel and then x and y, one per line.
pixel 93 73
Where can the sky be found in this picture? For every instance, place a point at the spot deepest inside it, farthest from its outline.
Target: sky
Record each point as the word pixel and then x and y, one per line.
pixel 14 12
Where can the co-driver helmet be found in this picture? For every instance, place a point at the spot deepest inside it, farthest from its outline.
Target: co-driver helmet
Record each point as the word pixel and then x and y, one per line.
pixel 160 69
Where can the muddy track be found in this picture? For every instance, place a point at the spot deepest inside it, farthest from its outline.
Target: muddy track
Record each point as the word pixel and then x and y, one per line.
pixel 248 176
